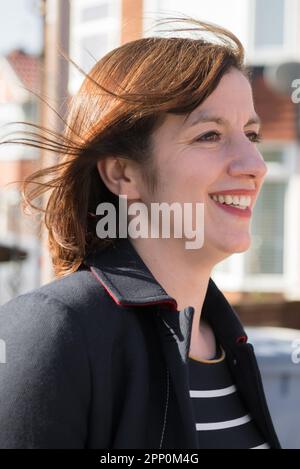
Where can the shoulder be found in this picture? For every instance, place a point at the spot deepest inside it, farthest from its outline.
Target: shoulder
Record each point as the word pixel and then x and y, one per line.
pixel 46 374
pixel 75 308
pixel 78 295
pixel 62 325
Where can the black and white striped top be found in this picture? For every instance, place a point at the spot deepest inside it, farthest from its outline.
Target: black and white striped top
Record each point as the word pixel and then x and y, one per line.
pixel 221 418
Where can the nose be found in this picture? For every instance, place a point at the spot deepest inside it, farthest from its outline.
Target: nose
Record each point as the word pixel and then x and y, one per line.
pixel 247 161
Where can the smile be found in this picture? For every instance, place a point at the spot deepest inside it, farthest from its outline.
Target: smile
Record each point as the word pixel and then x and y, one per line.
pixel 235 205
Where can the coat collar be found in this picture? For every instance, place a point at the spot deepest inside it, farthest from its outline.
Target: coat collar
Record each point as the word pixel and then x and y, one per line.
pixel 127 279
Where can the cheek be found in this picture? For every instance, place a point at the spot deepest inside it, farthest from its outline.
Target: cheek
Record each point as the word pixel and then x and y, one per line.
pixel 188 177
pixel 194 177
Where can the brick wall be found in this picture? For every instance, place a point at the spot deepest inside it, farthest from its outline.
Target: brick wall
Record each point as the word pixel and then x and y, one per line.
pixel 279 314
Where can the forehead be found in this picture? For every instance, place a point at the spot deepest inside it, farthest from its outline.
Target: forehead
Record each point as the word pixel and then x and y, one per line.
pixel 232 95
pixel 232 101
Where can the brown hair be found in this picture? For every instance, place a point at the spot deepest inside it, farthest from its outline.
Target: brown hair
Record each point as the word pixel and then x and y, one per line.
pixel 122 100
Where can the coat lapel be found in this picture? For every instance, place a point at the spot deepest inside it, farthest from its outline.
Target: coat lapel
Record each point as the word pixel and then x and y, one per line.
pixel 248 380
pixel 174 330
pixel 175 335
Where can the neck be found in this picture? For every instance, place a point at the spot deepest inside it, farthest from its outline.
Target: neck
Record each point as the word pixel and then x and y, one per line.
pixel 182 273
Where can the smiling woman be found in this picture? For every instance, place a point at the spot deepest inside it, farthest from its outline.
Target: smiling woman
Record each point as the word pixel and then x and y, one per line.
pixel 133 345
pixel 113 114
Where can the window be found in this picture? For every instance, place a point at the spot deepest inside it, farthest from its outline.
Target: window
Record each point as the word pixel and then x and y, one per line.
pixel 92 48
pixel 273 31
pixel 14 213
pixel 266 32
pixel 95 29
pixel 9 213
pixel 265 255
pixel 30 108
pixel 94 12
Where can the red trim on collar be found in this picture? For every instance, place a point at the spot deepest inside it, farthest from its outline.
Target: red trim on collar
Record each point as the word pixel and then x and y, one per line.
pixel 242 339
pixel 130 304
pixel 105 286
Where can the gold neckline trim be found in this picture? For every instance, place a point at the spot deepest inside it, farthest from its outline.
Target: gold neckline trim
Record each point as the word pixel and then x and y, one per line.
pixel 214 360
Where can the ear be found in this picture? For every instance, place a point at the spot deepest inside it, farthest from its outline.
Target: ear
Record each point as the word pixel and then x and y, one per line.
pixel 120 176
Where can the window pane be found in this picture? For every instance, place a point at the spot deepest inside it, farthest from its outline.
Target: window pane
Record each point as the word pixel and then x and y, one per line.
pixel 269 23
pixel 96 45
pixel 265 256
pixel 94 12
pixel 273 156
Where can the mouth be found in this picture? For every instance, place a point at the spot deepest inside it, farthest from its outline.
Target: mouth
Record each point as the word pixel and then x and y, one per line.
pixel 234 204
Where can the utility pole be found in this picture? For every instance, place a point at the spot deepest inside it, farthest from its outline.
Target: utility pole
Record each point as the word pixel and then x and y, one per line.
pixel 56 14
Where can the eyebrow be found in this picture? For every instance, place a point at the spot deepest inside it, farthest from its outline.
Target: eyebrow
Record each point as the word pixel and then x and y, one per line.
pixel 204 116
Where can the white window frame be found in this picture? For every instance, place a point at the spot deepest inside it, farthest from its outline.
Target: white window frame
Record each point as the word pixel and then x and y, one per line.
pixel 274 54
pixel 8 197
pixel 110 25
pixel 150 13
pixel 288 282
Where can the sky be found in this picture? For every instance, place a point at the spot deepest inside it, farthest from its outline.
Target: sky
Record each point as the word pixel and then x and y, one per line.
pixel 20 26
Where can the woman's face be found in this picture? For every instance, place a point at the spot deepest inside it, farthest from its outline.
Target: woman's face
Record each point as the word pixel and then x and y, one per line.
pixel 196 159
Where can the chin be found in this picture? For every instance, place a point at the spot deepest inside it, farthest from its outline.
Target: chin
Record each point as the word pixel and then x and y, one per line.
pixel 241 249
pixel 241 246
pixel 234 246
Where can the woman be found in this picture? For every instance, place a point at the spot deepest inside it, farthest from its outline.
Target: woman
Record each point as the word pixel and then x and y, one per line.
pixel 133 345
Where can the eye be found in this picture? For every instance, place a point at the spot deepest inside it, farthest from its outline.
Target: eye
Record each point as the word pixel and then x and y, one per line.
pixel 214 137
pixel 209 137
pixel 255 137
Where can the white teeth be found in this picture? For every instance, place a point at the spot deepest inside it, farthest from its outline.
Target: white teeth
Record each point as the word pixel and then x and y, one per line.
pixel 244 200
pixel 228 199
pixel 238 201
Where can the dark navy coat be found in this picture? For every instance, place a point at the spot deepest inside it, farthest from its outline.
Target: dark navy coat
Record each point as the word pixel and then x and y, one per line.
pixel 98 359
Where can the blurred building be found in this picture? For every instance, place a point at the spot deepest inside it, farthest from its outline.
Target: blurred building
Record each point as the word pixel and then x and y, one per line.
pixel 19 243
